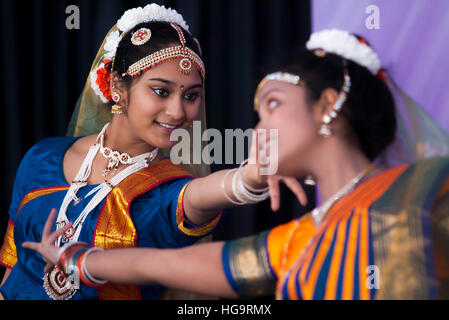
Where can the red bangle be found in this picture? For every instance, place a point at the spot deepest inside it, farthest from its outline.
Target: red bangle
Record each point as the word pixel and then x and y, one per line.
pixel 80 272
pixel 83 277
pixel 67 254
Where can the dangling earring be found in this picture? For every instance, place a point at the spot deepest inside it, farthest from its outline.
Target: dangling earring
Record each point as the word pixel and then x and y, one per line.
pixel 325 131
pixel 116 108
pixel 310 180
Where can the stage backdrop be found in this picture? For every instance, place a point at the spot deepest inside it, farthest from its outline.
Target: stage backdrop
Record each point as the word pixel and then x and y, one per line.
pixel 411 38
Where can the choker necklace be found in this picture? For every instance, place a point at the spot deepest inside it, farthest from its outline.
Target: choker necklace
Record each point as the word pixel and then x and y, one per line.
pixel 116 158
pixel 58 285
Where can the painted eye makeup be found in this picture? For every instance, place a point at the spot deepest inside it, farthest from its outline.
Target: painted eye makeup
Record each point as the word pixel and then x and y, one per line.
pixel 191 96
pixel 160 92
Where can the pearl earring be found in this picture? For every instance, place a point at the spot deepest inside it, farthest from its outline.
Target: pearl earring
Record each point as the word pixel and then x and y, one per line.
pixel 310 180
pixel 325 131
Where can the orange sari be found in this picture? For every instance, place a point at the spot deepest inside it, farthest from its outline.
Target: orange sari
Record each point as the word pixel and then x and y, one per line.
pixel 392 223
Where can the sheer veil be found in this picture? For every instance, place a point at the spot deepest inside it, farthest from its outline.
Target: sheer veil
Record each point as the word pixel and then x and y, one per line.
pixel 418 136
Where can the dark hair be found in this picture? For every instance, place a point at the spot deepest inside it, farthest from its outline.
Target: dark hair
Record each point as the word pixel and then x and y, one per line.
pixel 369 108
pixel 163 35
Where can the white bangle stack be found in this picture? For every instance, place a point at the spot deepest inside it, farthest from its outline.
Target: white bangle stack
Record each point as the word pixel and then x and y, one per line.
pixel 84 269
pixel 241 191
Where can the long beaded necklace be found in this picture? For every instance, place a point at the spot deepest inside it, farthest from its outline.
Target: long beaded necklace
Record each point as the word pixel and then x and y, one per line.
pixel 56 284
pixel 318 215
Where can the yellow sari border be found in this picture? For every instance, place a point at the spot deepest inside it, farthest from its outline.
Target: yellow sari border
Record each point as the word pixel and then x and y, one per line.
pixel 199 230
pixel 8 253
pixel 39 193
pixel 115 228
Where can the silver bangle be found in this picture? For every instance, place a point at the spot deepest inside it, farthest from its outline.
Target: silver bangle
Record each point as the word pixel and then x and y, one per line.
pixel 242 191
pixel 248 187
pixel 252 197
pixel 84 269
pixel 234 187
pixel 224 189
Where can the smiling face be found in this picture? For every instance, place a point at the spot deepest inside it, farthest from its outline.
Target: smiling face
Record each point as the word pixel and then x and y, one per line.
pixel 163 99
pixel 283 106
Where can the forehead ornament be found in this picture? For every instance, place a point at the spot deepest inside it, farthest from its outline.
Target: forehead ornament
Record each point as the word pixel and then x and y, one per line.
pixel 141 36
pixel 279 76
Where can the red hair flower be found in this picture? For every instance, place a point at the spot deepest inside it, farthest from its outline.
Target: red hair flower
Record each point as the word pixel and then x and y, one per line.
pixel 100 79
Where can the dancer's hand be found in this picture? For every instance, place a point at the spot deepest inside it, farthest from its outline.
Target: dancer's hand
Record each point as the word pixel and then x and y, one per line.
pixel 251 174
pixel 292 183
pixel 46 247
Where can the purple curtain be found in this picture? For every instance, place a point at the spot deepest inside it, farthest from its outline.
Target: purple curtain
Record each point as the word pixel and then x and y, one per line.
pixel 412 40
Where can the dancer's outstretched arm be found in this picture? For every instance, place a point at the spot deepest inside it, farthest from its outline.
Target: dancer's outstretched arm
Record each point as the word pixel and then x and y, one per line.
pixel 196 268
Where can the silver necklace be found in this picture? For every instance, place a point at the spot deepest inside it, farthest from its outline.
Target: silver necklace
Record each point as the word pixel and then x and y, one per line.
pixel 319 212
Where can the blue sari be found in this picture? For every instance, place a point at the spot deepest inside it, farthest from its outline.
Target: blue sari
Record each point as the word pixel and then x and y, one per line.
pixel 144 210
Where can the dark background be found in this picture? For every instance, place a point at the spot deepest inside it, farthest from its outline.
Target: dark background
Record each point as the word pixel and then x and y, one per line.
pixel 44 66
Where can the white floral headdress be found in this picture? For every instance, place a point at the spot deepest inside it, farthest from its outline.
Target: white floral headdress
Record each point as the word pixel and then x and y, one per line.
pixel 346 45
pixel 132 17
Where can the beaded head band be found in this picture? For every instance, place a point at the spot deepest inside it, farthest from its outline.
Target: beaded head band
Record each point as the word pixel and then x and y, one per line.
pixel 279 76
pixel 186 55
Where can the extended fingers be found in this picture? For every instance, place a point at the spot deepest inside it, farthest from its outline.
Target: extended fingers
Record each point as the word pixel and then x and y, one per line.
pixel 297 189
pixel 49 224
pixel 31 245
pixel 273 184
pixel 252 159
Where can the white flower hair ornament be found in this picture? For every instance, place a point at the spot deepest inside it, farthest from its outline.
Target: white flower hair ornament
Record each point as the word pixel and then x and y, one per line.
pixel 151 12
pixel 132 17
pixel 99 77
pixel 346 45
pixel 111 45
